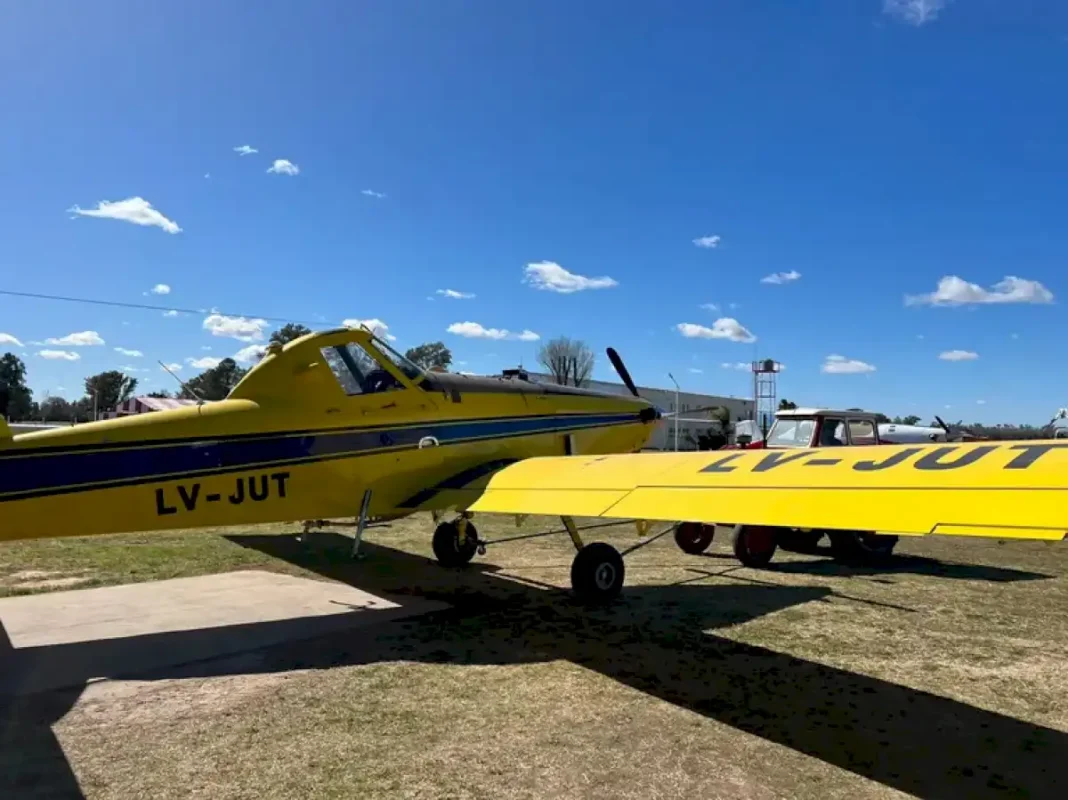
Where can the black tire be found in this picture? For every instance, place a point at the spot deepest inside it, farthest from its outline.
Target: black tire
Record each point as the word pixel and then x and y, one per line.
pixel 861 547
pixel 449 550
pixel 754 545
pixel 795 541
pixel 597 573
pixel 694 537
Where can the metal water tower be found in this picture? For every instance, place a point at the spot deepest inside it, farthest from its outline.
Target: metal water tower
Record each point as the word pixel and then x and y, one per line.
pixel 765 398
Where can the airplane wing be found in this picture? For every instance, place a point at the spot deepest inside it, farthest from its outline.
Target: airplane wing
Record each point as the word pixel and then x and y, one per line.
pixel 1006 489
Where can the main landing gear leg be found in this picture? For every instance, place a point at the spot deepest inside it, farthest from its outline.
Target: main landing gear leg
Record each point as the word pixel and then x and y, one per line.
pixel 597 572
pixel 361 524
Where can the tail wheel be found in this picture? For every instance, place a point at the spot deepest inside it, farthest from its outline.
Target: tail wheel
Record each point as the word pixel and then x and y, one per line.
pixel 754 545
pixel 597 573
pixel 694 537
pixel 450 549
pixel 861 545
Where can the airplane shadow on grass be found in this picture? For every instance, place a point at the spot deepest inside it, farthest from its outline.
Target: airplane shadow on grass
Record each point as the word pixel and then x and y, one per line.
pixel 652 639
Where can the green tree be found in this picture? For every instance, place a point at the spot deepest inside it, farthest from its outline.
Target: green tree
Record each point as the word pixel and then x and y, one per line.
pixel 159 393
pixel 430 355
pixel 787 405
pixel 288 332
pixel 56 409
pixel 214 383
pixel 911 419
pixel 16 399
pixel 107 389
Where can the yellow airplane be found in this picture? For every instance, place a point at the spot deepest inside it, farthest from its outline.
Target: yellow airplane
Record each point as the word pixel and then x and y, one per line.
pixel 333 424
pixel 338 424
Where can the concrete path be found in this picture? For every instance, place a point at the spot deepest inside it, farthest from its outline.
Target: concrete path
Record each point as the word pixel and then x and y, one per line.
pixel 61 639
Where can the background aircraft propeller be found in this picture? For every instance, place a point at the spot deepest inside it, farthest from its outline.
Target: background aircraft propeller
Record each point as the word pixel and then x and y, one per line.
pixel 621 370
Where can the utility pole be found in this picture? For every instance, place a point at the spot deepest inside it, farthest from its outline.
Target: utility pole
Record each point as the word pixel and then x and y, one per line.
pixel 677 410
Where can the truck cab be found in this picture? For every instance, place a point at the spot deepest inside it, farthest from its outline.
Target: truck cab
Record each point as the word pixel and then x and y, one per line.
pixel 822 427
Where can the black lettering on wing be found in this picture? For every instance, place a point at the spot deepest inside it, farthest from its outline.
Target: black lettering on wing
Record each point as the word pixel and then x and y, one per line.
pixel 772 460
pixel 886 463
pixel 1031 453
pixel 721 464
pixel 935 459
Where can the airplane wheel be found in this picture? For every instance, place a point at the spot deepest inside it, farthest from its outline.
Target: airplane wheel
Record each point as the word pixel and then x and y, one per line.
pixel 597 573
pixel 754 545
pixel 694 537
pixel 449 550
pixel 861 546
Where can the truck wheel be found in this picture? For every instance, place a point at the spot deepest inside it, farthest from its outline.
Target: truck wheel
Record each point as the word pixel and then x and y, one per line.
pixel 754 545
pixel 694 537
pixel 861 546
pixel 800 541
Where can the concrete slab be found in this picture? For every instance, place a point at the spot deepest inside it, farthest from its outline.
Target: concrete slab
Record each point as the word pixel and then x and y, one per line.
pixel 48 641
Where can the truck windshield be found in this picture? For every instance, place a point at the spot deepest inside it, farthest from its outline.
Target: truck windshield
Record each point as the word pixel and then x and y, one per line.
pixel 791 433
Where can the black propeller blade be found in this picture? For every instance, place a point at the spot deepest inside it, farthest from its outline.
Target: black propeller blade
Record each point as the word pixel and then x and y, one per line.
pixel 621 370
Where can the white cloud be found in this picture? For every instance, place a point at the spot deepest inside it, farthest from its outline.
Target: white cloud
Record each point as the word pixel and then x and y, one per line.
pixel 247 355
pixel 245 150
pixel 455 295
pixel 709 306
pixel 81 339
pixel 55 355
pixel 738 365
pixel 7 338
pixel 781 277
pixel 161 288
pixel 528 336
pixel 696 371
pixel 980 402
pixel 376 326
pixel 206 362
pixel 205 347
pixel 207 175
pixel 552 277
pixel 955 291
pixel 373 193
pixel 958 355
pixel 1015 336
pixel 282 166
pixel 131 353
pixel 134 209
pixel 722 328
pixel 130 368
pixel 171 313
pixel 914 12
pixel 919 335
pixel 240 328
pixel 708 242
pixel 171 367
pixel 473 330
pixel 840 365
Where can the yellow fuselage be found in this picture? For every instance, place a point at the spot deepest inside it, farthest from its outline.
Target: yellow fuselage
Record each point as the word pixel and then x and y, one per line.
pixel 290 444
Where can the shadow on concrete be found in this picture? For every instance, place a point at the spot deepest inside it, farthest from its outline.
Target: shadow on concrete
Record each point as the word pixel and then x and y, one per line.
pixel 653 639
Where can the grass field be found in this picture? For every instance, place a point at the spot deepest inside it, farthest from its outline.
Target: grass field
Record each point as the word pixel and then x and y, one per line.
pixel 941 675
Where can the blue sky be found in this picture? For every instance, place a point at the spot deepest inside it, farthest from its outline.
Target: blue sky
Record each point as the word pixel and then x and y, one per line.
pixel 862 152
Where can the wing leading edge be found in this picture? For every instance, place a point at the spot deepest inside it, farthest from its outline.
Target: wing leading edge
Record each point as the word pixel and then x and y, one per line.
pixel 1002 489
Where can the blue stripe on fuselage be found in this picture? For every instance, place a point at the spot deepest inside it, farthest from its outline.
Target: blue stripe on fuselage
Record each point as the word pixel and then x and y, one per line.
pixel 31 474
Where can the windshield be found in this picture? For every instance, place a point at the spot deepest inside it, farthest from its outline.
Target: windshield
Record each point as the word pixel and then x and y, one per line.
pixel 791 433
pixel 410 370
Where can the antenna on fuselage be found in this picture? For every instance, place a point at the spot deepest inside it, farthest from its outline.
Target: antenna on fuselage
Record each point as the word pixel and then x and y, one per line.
pixel 182 383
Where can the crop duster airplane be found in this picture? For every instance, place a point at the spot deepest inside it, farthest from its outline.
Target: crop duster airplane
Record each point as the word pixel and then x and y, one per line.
pixel 338 424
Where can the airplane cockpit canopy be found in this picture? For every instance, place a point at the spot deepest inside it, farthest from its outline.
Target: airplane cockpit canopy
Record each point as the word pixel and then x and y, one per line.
pixel 358 369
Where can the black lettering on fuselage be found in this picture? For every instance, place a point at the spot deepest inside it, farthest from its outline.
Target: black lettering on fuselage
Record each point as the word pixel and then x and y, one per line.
pixel 280 479
pixel 886 463
pixel 721 464
pixel 189 496
pixel 238 496
pixel 1031 453
pixel 161 505
pixel 257 493
pixel 934 459
pixel 772 460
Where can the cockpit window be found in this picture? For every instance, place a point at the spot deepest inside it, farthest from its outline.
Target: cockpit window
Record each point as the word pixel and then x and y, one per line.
pixel 357 372
pixel 410 370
